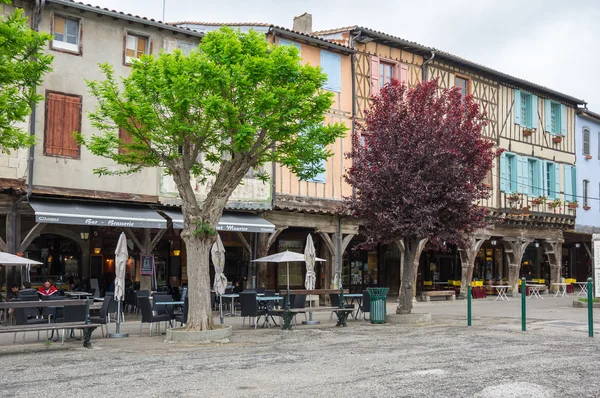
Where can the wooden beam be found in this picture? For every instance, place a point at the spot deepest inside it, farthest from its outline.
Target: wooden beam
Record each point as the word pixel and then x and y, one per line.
pixel 93 194
pixel 157 239
pixel 273 237
pixel 346 241
pixel 3 246
pixel 242 239
pixel 129 232
pixel 328 242
pixel 31 235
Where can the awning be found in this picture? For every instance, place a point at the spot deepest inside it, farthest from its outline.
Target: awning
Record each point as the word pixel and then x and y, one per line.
pixel 236 222
pixel 99 215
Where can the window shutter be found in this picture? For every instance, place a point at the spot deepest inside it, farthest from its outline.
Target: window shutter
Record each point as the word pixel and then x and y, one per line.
pixel 534 112
pixel 556 187
pixel 543 178
pixel 400 72
pixel 284 42
pixel 374 76
pixel 568 183
pixel 55 109
pixel 504 177
pixel 72 124
pixel 331 64
pixel 534 189
pixel 548 116
pixel 563 119
pixel 586 141
pixel 517 106
pixel 522 174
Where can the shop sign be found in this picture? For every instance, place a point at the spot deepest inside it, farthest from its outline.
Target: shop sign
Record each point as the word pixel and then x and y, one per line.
pixel 146 265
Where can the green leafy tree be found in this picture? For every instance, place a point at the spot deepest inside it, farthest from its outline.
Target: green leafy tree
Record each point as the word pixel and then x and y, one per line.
pixel 22 67
pixel 235 104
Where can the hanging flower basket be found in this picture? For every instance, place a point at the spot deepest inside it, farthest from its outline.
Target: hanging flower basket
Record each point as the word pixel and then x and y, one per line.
pixel 556 204
pixel 588 157
pixel 513 197
pixel 527 132
pixel 586 207
pixel 572 205
pixel 557 139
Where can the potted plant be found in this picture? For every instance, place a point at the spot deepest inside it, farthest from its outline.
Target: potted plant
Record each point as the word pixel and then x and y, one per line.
pixel 588 157
pixel 540 200
pixel 527 131
pixel 557 139
pixel 513 198
pixel 573 204
pixel 586 207
pixel 556 203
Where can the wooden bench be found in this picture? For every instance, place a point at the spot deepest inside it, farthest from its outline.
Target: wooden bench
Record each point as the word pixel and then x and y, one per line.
pixel 85 326
pixel 449 294
pixel 314 292
pixel 342 313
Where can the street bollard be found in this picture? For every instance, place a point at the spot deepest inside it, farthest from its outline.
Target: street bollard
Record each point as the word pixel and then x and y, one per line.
pixel 590 308
pixel 523 305
pixel 469 304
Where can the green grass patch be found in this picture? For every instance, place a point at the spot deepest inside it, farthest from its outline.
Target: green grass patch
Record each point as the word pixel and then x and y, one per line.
pixel 584 300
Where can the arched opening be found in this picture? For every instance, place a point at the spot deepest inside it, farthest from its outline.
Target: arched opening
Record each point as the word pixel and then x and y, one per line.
pixel 61 258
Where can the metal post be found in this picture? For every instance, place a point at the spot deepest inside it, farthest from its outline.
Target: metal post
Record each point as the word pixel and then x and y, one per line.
pixel 221 308
pixel 469 304
pixel 590 308
pixel 523 305
pixel 118 334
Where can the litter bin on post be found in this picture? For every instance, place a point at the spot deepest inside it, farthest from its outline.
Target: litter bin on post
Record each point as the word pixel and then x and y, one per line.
pixel 377 297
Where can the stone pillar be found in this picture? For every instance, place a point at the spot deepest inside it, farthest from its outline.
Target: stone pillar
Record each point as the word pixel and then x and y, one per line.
pixel 468 253
pixel 553 248
pixel 514 247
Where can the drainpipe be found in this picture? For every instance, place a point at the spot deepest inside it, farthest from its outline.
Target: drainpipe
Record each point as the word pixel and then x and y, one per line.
pixel 424 69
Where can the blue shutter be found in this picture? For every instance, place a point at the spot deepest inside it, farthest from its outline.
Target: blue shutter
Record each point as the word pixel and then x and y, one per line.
pixel 568 183
pixel 573 183
pixel 534 186
pixel 548 116
pixel 522 174
pixel 563 120
pixel 504 177
pixel 517 106
pixel 331 64
pixel 556 181
pixel 544 178
pixel 534 112
pixel 284 42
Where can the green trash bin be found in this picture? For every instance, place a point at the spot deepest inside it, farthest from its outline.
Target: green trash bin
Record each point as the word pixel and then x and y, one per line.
pixel 377 298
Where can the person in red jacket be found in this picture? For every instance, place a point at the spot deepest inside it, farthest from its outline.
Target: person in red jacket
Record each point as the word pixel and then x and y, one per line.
pixel 47 289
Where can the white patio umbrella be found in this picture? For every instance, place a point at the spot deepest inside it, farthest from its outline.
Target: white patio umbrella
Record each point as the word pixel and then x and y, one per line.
pixel 121 257
pixel 220 283
pixel 16 261
pixel 311 277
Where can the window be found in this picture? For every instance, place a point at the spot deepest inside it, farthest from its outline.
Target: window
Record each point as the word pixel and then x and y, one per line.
pixel 284 42
pixel 136 46
pixel 508 172
pixel 533 178
pixel 185 47
pixel 463 85
pixel 386 72
pixel 586 141
pixel 63 118
pixel 526 113
pixel 585 193
pixel 332 67
pixel 551 180
pixel 66 33
pixel 556 118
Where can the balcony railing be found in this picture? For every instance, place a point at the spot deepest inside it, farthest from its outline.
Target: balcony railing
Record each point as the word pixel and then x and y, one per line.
pixel 526 204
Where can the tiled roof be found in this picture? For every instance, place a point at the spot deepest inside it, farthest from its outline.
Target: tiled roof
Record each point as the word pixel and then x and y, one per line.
pixel 459 60
pixel 122 15
pixel 280 29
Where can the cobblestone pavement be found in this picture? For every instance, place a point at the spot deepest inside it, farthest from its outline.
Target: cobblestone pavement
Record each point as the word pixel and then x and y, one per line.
pixel 554 358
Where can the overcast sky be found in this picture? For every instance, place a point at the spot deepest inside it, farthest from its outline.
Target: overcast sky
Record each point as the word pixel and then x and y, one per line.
pixel 550 42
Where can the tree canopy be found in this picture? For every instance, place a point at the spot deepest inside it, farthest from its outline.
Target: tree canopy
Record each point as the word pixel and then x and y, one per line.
pixel 22 67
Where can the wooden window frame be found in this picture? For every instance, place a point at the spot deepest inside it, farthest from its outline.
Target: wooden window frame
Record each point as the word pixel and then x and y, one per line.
pixel 56 47
pixel 468 80
pixel 46 119
pixel 585 131
pixel 138 35
pixel 392 65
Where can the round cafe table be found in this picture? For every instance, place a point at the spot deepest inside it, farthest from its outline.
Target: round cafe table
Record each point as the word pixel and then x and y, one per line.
pixel 501 289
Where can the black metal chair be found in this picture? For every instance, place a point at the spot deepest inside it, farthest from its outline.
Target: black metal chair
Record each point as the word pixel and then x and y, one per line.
pixel 148 316
pixel 365 305
pixel 249 308
pixel 182 319
pixel 138 294
pixel 161 309
pixel 103 318
pixel 335 302
pixel 269 293
pixel 298 303
pixel 27 316
pixel 73 314
pixel 112 309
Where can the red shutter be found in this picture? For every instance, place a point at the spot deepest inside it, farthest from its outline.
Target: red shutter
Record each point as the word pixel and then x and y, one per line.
pixel 403 74
pixel 63 117
pixel 374 75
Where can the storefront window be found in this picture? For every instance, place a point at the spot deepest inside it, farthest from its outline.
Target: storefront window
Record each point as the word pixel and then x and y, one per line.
pixel 296 269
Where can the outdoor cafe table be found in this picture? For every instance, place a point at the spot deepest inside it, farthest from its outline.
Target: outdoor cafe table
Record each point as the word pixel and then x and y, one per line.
pixel 350 298
pixel 582 288
pixel 78 294
pixel 169 308
pixel 263 302
pixel 535 291
pixel 232 296
pixel 562 289
pixel 501 289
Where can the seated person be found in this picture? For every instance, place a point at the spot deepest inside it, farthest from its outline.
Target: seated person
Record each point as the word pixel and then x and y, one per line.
pixel 47 289
pixel 238 288
pixel 27 289
pixel 12 293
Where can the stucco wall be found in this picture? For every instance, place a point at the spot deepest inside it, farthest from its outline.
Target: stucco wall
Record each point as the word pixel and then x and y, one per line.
pixel 588 169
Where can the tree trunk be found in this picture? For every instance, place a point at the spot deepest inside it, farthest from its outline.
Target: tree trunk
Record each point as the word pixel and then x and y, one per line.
pixel 200 315
pixel 411 254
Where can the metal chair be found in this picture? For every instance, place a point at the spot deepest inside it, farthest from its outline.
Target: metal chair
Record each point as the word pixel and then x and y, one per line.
pixel 103 318
pixel 299 302
pixel 148 316
pixel 73 314
pixel 249 308
pixel 27 316
pixel 182 319
pixel 335 302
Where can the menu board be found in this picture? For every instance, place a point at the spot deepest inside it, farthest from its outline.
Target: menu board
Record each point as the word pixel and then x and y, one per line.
pixel 146 265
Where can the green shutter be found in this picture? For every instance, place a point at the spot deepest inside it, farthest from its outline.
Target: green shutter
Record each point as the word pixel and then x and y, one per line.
pixel 556 181
pixel 544 178
pixel 522 174
pixel 534 112
pixel 517 106
pixel 568 183
pixel 548 116
pixel 563 119
pixel 504 177
pixel 534 189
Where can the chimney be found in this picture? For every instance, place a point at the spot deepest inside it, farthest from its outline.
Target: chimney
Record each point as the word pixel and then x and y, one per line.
pixel 303 23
